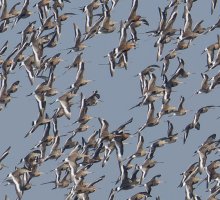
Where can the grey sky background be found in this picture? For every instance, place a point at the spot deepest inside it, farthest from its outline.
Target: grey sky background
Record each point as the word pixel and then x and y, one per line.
pixel 118 94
